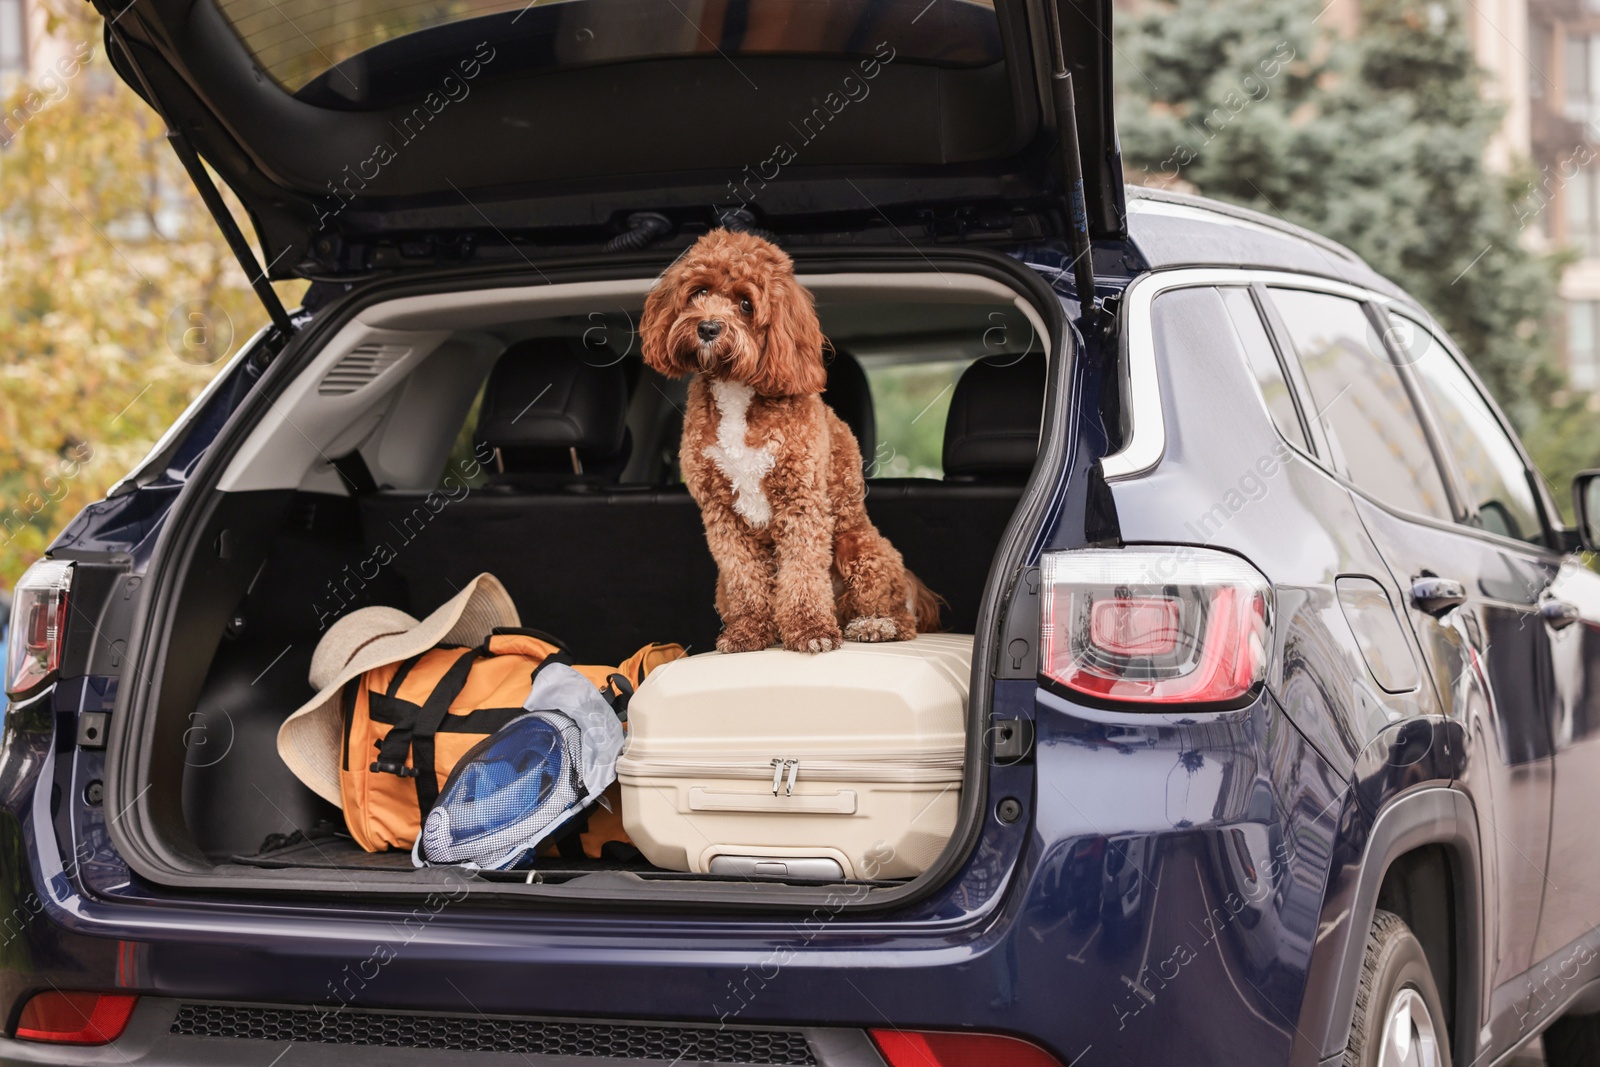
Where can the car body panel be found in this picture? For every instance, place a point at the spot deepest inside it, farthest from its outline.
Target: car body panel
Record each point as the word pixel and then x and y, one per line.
pixel 1173 230
pixel 1507 640
pixel 1571 905
pixel 1235 484
pixel 1091 925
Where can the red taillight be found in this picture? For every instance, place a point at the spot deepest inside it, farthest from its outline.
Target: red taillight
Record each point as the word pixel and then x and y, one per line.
pixel 76 1018
pixel 1154 625
pixel 38 626
pixel 943 1048
pixel 1135 625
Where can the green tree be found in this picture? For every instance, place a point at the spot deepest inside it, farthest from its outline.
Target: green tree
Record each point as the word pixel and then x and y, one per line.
pixel 1377 140
pixel 122 300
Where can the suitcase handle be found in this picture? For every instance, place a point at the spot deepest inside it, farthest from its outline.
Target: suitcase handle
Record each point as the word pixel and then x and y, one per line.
pixel 839 802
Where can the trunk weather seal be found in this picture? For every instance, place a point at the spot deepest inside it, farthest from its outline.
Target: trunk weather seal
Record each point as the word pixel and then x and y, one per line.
pixel 137 835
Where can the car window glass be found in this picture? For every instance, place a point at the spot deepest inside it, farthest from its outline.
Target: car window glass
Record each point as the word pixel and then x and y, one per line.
pixel 1492 471
pixel 911 403
pixel 1361 402
pixel 1264 366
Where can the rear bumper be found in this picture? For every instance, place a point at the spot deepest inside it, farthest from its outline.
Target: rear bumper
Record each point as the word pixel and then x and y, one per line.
pixel 169 1032
pixel 1152 908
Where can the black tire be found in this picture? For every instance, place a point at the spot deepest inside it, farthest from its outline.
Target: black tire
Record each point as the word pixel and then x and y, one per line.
pixel 1395 977
pixel 1573 1041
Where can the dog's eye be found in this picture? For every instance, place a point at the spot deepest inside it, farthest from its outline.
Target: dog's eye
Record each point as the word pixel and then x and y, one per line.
pixel 698 293
pixel 745 305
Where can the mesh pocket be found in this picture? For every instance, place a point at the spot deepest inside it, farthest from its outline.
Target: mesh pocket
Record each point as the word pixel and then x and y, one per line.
pixel 507 797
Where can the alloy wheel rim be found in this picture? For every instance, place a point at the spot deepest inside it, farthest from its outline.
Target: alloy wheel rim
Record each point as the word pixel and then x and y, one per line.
pixel 1410 1038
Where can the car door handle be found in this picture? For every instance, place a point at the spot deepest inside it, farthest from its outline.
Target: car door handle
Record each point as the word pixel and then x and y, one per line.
pixel 1558 613
pixel 1437 596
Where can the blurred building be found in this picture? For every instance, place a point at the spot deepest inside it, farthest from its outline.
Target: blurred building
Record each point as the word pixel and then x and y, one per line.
pixel 1541 59
pixel 13 39
pixel 28 50
pixel 1562 85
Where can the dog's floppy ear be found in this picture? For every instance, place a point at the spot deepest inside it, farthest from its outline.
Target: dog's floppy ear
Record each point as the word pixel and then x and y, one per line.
pixel 792 363
pixel 661 308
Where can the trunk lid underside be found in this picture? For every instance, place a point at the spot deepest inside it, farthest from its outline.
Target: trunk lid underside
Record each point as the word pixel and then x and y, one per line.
pixel 363 137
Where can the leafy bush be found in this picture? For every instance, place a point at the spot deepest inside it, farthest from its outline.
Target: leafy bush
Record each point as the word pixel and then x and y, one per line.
pixel 122 300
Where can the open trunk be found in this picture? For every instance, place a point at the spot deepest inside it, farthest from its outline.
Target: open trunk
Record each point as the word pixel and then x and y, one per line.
pixel 392 460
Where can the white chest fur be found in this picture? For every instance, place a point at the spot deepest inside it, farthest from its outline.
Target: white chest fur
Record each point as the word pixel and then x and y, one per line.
pixel 743 466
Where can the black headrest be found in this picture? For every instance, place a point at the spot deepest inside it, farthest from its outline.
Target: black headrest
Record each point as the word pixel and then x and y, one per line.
pixel 850 396
pixel 993 427
pixel 544 406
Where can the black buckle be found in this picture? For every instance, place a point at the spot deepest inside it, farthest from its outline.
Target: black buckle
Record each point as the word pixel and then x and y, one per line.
pixel 390 767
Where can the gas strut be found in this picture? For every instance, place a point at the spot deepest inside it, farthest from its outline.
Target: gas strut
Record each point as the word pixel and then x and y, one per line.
pixel 208 193
pixel 1071 167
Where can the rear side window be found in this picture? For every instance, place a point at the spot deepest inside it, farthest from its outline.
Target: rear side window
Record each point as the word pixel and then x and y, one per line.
pixel 1361 402
pixel 1498 491
pixel 1264 366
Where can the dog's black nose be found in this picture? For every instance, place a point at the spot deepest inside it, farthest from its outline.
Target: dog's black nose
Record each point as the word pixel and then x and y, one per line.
pixel 710 330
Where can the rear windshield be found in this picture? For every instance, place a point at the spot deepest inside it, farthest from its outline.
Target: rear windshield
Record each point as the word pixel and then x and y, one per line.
pixel 298 42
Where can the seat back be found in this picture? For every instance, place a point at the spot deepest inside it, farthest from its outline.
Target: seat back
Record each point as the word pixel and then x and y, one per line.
pixel 552 418
pixel 992 433
pixel 849 394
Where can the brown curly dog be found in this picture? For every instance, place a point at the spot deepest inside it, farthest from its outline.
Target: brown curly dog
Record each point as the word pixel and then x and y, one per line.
pixel 776 473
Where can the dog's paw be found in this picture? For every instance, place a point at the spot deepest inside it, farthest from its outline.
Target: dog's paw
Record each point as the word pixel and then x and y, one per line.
pixel 818 640
pixel 742 640
pixel 821 644
pixel 872 628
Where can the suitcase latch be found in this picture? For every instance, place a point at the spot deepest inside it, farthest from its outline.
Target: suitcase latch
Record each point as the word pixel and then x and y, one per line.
pixel 779 766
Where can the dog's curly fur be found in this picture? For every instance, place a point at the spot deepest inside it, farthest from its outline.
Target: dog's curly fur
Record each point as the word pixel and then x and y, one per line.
pixel 776 473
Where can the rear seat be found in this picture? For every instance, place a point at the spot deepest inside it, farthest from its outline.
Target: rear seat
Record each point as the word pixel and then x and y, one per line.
pixel 604 566
pixel 609 567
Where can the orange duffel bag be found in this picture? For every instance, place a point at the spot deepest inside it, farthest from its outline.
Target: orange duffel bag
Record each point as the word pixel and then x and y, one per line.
pixel 407 724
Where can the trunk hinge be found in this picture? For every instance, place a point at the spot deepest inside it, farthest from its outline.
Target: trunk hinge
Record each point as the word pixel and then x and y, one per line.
pixel 1071 167
pixel 237 242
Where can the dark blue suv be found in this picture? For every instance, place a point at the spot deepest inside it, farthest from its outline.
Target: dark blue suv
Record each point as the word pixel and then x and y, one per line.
pixel 1284 723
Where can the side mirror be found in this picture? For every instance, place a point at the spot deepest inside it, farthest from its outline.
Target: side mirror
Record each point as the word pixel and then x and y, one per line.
pixel 1586 503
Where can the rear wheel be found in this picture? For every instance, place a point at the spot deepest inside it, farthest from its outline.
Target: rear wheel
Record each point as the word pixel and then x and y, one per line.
pixel 1399 1020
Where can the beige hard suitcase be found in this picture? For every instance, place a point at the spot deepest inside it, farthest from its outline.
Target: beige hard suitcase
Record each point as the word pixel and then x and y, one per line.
pixel 844 764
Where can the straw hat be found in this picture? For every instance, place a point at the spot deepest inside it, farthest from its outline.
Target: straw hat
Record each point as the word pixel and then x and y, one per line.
pixel 309 741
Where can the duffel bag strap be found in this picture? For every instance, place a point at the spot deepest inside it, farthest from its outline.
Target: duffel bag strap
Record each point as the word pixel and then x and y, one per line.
pixel 560 655
pixel 396 744
pixel 430 718
pixel 618 691
pixel 569 846
pixel 417 734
